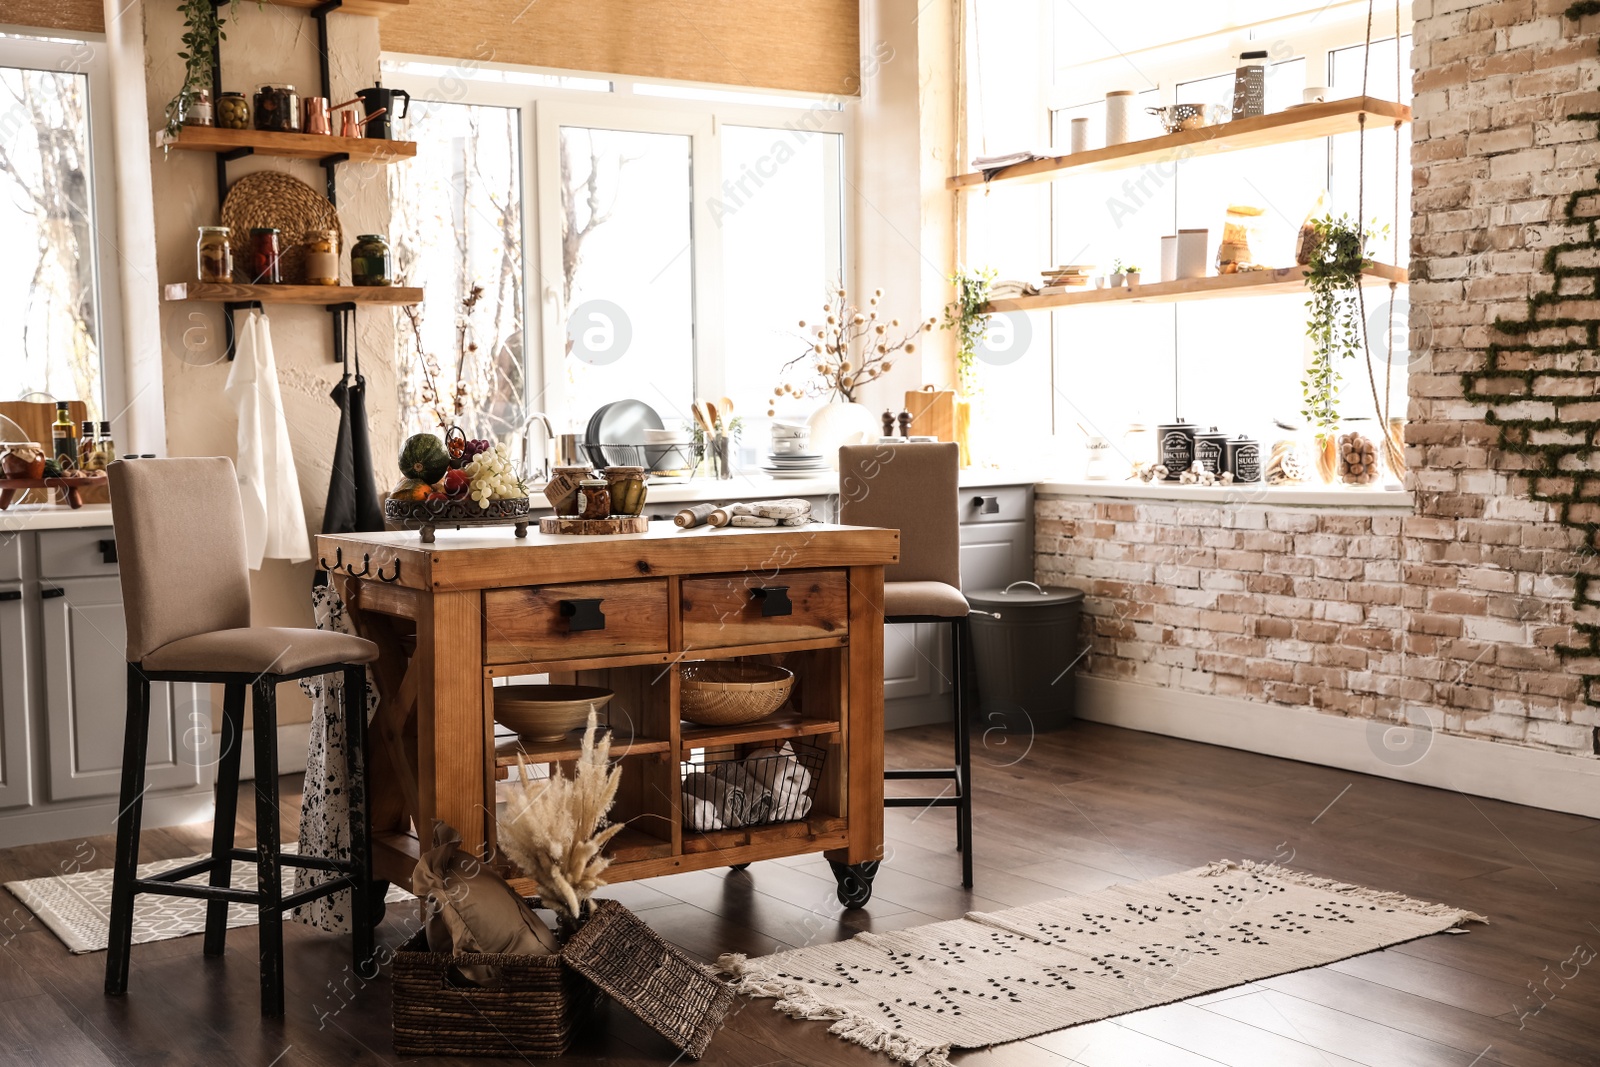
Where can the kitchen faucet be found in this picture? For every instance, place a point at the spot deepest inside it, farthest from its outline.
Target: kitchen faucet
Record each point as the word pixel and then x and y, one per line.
pixel 549 440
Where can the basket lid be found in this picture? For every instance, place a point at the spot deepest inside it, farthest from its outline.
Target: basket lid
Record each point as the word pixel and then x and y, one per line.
pixel 1024 595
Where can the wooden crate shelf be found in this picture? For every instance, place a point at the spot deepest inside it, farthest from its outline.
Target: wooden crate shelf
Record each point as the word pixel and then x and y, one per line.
pixel 507 750
pixel 760 837
pixel 1304 123
pixel 309 295
pixel 772 728
pixel 313 146
pixel 1251 283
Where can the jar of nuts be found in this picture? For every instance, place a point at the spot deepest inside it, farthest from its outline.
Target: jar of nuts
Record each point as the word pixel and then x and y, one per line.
pixel 1357 458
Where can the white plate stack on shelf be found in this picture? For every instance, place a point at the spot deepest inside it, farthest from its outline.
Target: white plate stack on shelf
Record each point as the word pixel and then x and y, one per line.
pixel 791 455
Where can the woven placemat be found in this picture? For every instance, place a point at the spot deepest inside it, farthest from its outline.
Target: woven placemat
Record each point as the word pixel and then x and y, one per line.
pixel 658 983
pixel 285 203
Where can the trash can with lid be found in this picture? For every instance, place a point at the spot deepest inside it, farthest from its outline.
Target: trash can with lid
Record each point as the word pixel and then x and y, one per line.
pixel 1026 645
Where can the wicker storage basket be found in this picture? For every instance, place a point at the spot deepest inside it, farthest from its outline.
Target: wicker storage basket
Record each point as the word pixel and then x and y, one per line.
pixel 727 694
pixel 531 1011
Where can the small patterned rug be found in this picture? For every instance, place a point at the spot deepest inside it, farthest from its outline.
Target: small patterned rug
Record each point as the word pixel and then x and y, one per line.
pixel 77 907
pixel 992 977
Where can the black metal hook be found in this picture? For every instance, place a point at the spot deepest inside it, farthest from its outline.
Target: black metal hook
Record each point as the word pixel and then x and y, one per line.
pixel 395 577
pixel 349 569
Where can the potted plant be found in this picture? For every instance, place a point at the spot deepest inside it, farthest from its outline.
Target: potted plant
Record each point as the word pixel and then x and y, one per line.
pixel 1117 275
pixel 965 314
pixel 1132 274
pixel 1333 275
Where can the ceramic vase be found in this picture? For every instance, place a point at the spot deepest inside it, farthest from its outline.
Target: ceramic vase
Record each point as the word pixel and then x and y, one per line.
pixel 842 422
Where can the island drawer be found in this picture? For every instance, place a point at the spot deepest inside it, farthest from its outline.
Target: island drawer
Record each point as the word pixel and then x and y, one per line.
pixel 559 622
pixel 747 609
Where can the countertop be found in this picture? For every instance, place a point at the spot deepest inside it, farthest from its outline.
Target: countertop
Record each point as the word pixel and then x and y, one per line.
pixel 20 517
pixel 1258 493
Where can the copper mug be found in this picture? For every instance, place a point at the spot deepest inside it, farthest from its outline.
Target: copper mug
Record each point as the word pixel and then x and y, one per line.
pixel 317 119
pixel 352 126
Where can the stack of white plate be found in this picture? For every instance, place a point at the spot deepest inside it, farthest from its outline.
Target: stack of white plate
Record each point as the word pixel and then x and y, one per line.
pixel 796 464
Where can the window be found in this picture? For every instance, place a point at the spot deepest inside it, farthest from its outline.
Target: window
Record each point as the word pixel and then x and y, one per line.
pixel 56 325
pixel 673 238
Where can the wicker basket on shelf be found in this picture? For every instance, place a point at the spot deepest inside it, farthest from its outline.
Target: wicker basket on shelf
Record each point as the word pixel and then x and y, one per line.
pixel 728 694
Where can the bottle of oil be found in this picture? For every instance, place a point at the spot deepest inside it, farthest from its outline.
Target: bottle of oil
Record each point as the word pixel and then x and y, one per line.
pixel 64 438
pixel 88 452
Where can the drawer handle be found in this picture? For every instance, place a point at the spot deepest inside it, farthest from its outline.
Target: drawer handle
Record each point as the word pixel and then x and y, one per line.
pixel 51 592
pixel 10 594
pixel 774 600
pixel 108 550
pixel 987 505
pixel 583 615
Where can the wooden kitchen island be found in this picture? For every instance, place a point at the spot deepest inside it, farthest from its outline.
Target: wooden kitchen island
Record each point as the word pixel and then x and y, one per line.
pixel 623 612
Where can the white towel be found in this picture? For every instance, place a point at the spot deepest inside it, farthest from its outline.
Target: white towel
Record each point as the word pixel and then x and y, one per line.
pixel 274 518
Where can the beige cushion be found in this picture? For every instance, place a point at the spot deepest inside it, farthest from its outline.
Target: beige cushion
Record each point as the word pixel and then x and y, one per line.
pixel 260 650
pixel 913 489
pixel 180 549
pixel 469 908
pixel 923 598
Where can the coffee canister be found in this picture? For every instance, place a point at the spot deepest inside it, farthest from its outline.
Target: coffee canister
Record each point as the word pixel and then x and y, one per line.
pixel 1175 447
pixel 1080 135
pixel 1209 448
pixel 1119 112
pixel 1241 457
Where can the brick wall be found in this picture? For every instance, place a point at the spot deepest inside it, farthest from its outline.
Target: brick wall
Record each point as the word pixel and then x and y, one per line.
pixel 1474 606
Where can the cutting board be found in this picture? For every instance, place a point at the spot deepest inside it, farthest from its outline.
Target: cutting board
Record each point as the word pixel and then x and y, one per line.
pixel 933 412
pixel 35 420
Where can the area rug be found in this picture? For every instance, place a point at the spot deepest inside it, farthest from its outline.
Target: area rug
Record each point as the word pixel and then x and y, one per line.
pixel 77 907
pixel 992 977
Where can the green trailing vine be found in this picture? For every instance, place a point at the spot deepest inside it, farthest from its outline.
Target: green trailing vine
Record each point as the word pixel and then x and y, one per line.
pixel 1338 257
pixel 966 315
pixel 203 35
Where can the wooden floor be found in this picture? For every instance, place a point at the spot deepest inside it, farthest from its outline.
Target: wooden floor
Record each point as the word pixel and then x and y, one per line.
pixel 1077 811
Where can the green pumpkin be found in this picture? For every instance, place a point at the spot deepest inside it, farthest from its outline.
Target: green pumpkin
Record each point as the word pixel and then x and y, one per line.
pixel 424 458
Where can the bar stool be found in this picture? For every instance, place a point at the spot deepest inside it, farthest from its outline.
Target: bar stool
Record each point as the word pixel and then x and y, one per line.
pixel 186 600
pixel 914 489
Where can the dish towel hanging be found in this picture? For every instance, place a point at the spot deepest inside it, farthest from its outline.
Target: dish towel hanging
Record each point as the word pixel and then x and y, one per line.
pixel 274 518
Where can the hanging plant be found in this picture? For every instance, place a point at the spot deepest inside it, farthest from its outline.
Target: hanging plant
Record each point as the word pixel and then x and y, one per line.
pixel 1333 274
pixel 202 23
pixel 967 317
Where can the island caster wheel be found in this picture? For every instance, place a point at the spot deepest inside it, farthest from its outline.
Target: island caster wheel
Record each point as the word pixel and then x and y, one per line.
pixel 739 867
pixel 855 881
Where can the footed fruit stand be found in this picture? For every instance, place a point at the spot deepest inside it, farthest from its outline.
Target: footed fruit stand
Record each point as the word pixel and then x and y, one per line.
pixel 630 613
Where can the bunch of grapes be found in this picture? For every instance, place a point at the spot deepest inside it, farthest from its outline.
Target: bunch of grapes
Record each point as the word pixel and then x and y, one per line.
pixel 493 476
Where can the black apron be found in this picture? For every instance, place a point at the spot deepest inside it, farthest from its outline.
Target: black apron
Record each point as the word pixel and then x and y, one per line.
pixel 352 488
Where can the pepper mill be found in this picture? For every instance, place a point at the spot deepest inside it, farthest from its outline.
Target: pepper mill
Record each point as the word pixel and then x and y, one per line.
pixel 905 424
pixel 888 423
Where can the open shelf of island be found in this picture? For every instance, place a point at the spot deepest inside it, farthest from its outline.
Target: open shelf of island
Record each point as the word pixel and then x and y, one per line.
pixel 1304 123
pixel 317 146
pixel 1248 283
pixel 314 295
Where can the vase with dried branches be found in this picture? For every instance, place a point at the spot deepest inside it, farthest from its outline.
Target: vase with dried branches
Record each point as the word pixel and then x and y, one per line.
pixel 848 348
pixel 555 829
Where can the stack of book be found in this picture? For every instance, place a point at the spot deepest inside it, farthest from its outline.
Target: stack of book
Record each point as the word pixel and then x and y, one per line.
pixel 1070 276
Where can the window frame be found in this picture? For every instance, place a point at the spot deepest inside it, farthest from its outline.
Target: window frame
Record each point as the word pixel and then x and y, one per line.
pixel 543 111
pixel 65 51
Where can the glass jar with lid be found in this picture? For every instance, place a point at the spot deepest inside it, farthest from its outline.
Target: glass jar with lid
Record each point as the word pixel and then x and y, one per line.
pixel 265 261
pixel 233 111
pixel 321 257
pixel 213 254
pixel 198 113
pixel 369 260
pixel 627 488
pixel 277 108
pixel 594 499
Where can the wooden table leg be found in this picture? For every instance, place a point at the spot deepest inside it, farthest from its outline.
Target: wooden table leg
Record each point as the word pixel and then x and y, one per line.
pixel 864 735
pixel 450 730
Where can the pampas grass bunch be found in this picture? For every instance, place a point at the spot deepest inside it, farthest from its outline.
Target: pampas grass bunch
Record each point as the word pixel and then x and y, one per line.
pixel 555 829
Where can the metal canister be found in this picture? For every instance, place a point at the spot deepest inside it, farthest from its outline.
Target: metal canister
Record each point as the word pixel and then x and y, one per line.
pixel 1175 447
pixel 1242 458
pixel 1209 448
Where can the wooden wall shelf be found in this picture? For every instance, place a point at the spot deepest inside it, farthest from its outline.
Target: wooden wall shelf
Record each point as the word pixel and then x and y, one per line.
pixel 310 295
pixel 1253 283
pixel 1304 123
pixel 313 146
pixel 373 8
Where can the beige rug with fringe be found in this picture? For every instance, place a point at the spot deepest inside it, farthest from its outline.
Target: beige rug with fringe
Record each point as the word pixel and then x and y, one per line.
pixel 992 977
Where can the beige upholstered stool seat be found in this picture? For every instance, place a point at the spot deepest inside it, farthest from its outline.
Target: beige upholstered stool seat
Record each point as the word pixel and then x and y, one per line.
pixel 923 598
pixel 260 650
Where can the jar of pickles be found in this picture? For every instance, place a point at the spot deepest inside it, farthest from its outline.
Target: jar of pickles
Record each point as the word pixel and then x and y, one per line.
pixel 369 260
pixel 198 113
pixel 265 259
pixel 321 256
pixel 213 254
pixel 233 111
pixel 627 488
pixel 277 108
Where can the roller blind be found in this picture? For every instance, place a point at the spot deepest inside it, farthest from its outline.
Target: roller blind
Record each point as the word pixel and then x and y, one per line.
pixel 797 45
pixel 82 15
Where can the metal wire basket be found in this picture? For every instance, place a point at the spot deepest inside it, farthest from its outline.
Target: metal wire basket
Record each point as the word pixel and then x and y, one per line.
pixel 769 786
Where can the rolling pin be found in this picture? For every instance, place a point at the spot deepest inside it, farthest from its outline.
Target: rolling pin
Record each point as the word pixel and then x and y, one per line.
pixel 689 518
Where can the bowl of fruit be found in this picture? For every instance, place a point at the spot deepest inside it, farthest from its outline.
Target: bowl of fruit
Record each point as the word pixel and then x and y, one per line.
pixel 456 481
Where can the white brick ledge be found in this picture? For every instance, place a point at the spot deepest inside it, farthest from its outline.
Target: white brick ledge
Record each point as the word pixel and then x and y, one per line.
pixel 1271 496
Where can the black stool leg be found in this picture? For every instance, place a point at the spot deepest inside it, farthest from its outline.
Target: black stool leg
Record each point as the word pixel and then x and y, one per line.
pixel 269 879
pixel 130 807
pixel 227 810
pixel 964 703
pixel 355 771
pixel 957 693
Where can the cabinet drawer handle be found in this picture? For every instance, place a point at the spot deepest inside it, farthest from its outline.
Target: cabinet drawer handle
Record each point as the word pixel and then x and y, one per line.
pixel 10 594
pixel 987 505
pixel 108 550
pixel 583 615
pixel 774 600
pixel 50 593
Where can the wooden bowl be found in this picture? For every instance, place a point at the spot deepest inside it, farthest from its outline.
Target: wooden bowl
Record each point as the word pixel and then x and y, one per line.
pixel 547 712
pixel 728 694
